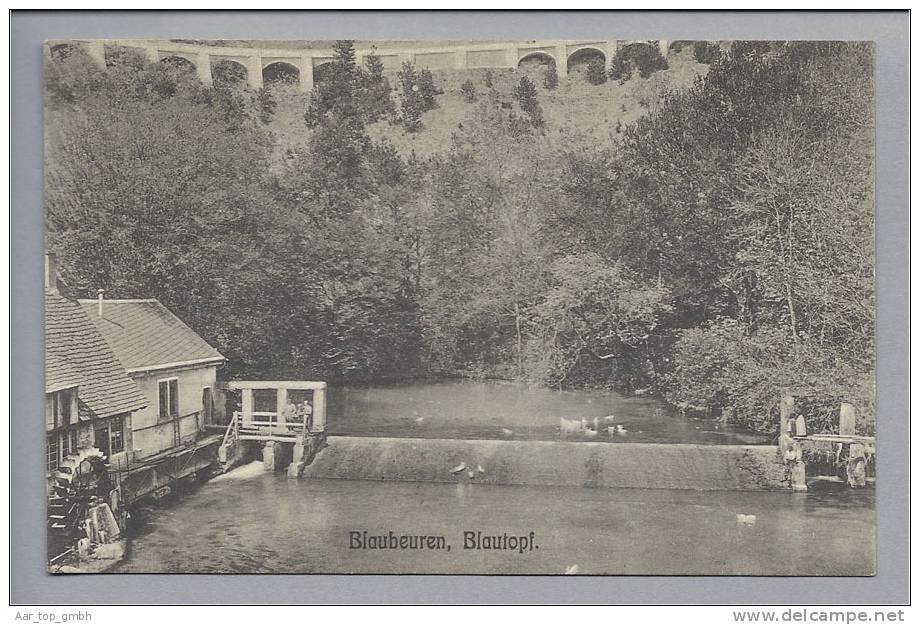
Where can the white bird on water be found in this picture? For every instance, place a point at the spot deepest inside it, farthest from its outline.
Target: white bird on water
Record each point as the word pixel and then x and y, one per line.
pixel 620 429
pixel 507 432
pixel 746 519
pixel 569 426
pixel 419 419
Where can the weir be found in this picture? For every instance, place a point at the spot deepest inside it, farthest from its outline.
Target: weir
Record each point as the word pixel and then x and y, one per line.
pixel 284 423
pixel 551 463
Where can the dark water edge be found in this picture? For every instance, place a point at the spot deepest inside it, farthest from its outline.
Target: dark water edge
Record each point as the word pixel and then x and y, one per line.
pixel 252 522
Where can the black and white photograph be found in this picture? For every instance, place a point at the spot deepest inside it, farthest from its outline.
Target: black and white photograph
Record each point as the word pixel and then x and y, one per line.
pixel 469 307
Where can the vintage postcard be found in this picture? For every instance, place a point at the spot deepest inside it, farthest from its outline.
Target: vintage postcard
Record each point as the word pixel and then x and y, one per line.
pixel 460 307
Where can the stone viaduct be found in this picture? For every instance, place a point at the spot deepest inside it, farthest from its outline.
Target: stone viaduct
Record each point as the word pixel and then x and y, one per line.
pixel 260 63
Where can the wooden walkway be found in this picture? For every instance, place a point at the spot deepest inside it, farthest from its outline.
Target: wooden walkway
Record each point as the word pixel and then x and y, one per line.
pixel 859 450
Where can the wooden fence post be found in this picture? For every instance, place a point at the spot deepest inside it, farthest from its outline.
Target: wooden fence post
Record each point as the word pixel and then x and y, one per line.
pixel 790 449
pixel 856 458
pixel 319 409
pixel 847 419
pixel 786 409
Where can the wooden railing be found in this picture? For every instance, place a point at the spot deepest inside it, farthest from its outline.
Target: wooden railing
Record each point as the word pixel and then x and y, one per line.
pixel 281 389
pixel 793 432
pixel 233 429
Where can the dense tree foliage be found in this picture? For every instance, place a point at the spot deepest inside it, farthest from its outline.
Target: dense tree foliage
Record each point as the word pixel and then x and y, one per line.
pixel 596 71
pixel 720 250
pixel 642 58
pixel 706 52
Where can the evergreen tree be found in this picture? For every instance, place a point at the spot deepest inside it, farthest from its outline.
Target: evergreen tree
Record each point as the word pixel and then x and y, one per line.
pixel 338 95
pixel 376 102
pixel 411 105
pixel 526 94
pixel 427 90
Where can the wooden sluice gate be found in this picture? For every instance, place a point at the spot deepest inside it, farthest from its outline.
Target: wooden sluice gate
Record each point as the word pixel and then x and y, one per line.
pixel 852 453
pixel 286 420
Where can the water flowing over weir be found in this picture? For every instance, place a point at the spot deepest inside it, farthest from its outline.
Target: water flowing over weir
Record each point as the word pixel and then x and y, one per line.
pixel 549 463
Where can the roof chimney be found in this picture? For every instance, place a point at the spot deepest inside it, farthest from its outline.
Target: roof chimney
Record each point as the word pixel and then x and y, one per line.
pixel 51 272
pixel 99 294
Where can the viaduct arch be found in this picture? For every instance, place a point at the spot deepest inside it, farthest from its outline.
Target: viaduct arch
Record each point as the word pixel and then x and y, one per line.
pixel 263 64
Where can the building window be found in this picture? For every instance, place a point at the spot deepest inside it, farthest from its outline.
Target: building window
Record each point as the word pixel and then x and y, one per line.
pixel 54 453
pixel 69 443
pixel 117 435
pixel 60 408
pixel 110 436
pixel 169 398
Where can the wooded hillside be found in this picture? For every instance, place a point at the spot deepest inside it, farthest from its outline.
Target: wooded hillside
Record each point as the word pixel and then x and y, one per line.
pixel 706 232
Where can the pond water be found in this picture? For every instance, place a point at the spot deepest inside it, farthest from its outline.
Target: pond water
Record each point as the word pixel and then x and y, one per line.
pixel 477 410
pixel 248 521
pixel 252 522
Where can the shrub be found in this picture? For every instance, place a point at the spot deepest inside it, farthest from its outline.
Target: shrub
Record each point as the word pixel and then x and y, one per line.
pixel 550 77
pixel 724 366
pixel 70 75
pixel 596 74
pixel 266 105
pixel 228 73
pixel 643 57
pixel 117 56
pixel 411 104
pixel 706 52
pixel 526 94
pixel 468 91
pixel 487 80
pixel 427 90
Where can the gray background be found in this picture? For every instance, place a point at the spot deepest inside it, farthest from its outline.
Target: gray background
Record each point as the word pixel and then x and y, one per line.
pixel 29 583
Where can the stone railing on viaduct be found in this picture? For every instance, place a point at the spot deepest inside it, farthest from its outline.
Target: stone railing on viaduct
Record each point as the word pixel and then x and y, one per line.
pixel 258 62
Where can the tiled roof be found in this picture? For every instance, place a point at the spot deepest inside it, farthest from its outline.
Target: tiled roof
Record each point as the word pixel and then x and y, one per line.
pixel 145 335
pixel 58 374
pixel 76 352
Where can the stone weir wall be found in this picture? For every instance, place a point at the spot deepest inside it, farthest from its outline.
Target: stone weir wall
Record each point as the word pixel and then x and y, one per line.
pixel 627 465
